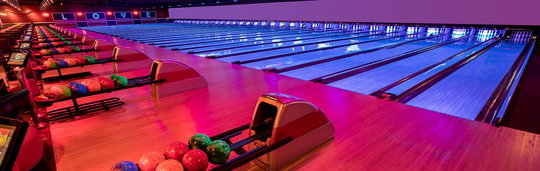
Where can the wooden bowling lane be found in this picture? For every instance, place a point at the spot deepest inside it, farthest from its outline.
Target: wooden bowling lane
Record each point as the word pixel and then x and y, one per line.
pixel 370 134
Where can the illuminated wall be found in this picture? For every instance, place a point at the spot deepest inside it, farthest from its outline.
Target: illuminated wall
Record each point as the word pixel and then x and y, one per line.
pixel 37 16
pixel 515 12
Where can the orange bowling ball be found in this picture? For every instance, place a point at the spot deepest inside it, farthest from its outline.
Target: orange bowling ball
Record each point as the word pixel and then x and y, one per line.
pixel 92 85
pixel 44 52
pixel 70 61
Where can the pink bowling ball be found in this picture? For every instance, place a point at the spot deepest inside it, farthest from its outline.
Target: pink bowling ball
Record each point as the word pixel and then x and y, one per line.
pixel 150 161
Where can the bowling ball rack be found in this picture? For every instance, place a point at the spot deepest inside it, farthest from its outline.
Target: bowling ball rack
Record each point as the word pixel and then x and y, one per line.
pixel 61 34
pixel 62 77
pixel 243 155
pixel 81 51
pixel 105 104
pixel 49 47
pixel 47 41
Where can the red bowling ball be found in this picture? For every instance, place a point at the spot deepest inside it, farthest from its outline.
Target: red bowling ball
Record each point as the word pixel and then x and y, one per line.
pixel 106 83
pixel 195 160
pixel 176 150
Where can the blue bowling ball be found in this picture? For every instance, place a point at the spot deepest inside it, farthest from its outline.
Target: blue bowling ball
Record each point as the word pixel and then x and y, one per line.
pixel 125 166
pixel 78 88
pixel 54 51
pixel 62 63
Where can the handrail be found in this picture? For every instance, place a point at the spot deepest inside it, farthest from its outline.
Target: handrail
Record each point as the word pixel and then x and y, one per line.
pixel 489 111
pixel 414 91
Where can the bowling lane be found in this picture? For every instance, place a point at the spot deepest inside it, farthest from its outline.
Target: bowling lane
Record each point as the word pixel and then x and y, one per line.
pixel 322 54
pixel 276 45
pixel 174 41
pixel 296 49
pixel 464 92
pixel 314 71
pixel 260 43
pixel 223 33
pixel 376 79
pixel 400 88
pixel 243 40
pixel 148 34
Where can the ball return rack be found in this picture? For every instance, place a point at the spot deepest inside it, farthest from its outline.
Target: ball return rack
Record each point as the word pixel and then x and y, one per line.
pixel 105 104
pixel 165 78
pixel 64 45
pixel 283 128
pixel 61 77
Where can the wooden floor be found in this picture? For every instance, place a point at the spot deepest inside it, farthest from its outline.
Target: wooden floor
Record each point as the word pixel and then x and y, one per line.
pixel 371 134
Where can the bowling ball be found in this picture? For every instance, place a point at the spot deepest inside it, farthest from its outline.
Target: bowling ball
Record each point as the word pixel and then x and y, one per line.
pixel 199 141
pixel 125 166
pixel 54 43
pixel 150 161
pixel 76 49
pixel 114 76
pixel 78 88
pixel 68 49
pixel 90 59
pixel 170 165
pixel 61 38
pixel 50 64
pixel 71 61
pixel 67 42
pixel 218 152
pixel 59 91
pixel 61 63
pixel 61 43
pixel 61 50
pixel 44 52
pixel 80 60
pixel 195 160
pixel 41 40
pixel 92 85
pixel 121 81
pixel 176 150
pixel 54 51
pixel 106 83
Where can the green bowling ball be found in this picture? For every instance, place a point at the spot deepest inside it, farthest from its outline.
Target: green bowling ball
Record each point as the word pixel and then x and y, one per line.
pixel 90 59
pixel 199 141
pixel 218 152
pixel 114 77
pixel 121 81
pixel 76 49
pixel 67 42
